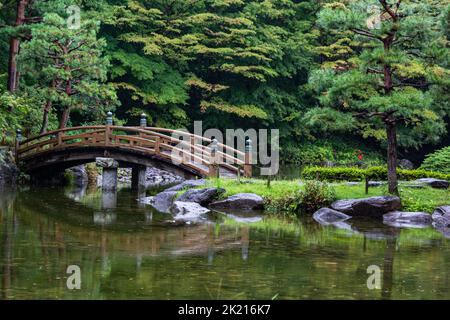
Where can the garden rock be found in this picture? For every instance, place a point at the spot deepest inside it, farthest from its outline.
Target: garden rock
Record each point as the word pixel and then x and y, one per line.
pixel 435 183
pixel 162 202
pixel 368 207
pixel 441 216
pixel 327 216
pixel 241 201
pixel 376 183
pixel 188 184
pixel 188 211
pixel 201 196
pixel 80 175
pixel 8 169
pixel 406 164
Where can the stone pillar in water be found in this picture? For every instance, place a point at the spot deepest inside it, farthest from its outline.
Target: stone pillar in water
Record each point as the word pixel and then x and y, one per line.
pixel 138 178
pixel 109 176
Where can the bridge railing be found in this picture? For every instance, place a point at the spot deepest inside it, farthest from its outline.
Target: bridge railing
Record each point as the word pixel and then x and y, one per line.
pixel 197 153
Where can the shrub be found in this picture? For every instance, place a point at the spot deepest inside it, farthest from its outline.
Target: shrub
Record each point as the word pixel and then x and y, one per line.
pixel 315 195
pixel 438 161
pixel 372 173
pixel 333 174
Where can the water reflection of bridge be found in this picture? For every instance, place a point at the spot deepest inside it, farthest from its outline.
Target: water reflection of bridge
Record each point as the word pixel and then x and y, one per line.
pixel 135 229
pixel 42 233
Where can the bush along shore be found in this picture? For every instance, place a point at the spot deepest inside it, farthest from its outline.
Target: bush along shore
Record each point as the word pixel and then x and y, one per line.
pixel 328 203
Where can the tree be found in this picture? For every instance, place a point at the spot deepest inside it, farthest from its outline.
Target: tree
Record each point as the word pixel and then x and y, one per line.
pixel 396 58
pixel 231 63
pixel 18 33
pixel 68 67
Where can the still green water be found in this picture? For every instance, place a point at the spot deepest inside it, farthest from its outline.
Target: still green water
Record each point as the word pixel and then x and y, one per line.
pixel 127 251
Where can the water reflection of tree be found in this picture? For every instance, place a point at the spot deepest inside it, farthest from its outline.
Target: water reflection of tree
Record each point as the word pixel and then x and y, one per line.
pixel 296 262
pixel 388 268
pixel 8 219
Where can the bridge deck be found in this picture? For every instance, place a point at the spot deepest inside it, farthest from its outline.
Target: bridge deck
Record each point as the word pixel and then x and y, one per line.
pixel 197 154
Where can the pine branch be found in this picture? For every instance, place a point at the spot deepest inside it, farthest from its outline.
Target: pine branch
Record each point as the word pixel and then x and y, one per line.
pixel 373 70
pixel 388 9
pixel 366 33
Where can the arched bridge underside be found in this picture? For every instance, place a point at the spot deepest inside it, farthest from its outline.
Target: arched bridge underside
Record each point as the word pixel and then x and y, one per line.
pixel 176 151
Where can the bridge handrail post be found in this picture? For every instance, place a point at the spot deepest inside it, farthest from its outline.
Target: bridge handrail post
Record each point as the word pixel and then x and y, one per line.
pixel 59 136
pixel 143 122
pixel 109 123
pixel 248 159
pixel 213 166
pixel 192 140
pixel 157 145
pixel 143 125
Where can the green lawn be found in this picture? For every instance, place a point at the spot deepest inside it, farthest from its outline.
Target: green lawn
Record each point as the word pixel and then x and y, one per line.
pixel 426 199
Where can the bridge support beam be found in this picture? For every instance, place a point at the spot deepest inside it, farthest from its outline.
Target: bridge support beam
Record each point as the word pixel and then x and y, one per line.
pixel 109 176
pixel 138 177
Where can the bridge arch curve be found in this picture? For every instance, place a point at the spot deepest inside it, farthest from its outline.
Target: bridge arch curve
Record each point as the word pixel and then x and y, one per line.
pixel 179 152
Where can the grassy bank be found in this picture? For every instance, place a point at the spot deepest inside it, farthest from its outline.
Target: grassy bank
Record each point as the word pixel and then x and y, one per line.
pixel 280 195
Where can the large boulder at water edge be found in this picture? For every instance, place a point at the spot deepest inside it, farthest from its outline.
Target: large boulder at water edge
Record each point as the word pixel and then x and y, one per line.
pixel 188 211
pixel 368 207
pixel 441 216
pixel 188 184
pixel 202 196
pixel 8 169
pixel 162 202
pixel 80 175
pixel 241 201
pixel 401 219
pixel 435 183
pixel 327 216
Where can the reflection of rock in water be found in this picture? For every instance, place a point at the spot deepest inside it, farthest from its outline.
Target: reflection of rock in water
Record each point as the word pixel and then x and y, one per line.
pixel 245 217
pixel 370 228
pixel 104 218
pixel 444 230
pixel 77 193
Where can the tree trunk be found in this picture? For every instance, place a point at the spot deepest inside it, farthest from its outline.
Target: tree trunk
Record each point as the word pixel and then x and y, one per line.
pixel 64 118
pixel 14 48
pixel 13 77
pixel 391 131
pixel 47 109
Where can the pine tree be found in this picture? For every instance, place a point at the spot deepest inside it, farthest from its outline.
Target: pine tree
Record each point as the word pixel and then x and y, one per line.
pixel 395 60
pixel 66 66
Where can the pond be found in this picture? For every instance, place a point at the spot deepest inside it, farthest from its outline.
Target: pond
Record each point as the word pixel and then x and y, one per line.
pixel 128 251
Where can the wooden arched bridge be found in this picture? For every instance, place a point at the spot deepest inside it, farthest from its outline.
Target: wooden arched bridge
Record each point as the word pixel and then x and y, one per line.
pixel 132 146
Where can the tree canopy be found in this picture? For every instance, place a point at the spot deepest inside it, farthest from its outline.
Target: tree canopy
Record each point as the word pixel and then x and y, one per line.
pixel 316 70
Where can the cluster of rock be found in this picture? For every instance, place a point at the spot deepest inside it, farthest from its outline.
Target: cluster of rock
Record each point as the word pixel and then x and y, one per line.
pixel 154 177
pixel 386 208
pixel 194 204
pixel 8 169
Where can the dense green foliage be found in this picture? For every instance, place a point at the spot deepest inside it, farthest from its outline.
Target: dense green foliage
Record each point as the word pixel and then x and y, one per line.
pixel 372 173
pixel 387 73
pixel 293 65
pixel 438 161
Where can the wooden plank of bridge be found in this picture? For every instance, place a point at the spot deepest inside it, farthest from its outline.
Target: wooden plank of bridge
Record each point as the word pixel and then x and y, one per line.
pixel 147 140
